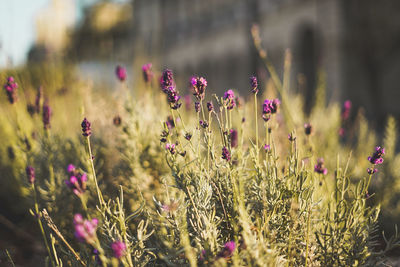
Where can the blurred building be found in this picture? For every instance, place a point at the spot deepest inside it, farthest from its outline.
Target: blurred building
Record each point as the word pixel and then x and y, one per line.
pixel 356 43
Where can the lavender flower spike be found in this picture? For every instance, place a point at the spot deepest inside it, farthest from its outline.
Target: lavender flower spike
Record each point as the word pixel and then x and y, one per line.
pixel 119 249
pixel 46 116
pixel 86 130
pixel 147 72
pixel 254 84
pixel 229 99
pixel 225 154
pixel 85 230
pixel 30 173
pixel 228 250
pixel 199 85
pixel 320 168
pixel 376 158
pixel 120 72
pixel 11 90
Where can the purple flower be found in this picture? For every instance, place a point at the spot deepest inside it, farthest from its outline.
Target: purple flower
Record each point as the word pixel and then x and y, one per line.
pixel 254 84
pixel 76 181
pixel 199 85
pixel 30 173
pixel 170 148
pixel 371 170
pixel 173 97
pixel 228 250
pixel 210 106
pixel 376 158
pixel 233 135
pixel 307 128
pixel 346 110
pixel 170 122
pixel 121 73
pixel 86 130
pixel 85 230
pixel 147 72
pixel 203 124
pixel 188 136
pixel 197 107
pixel 291 137
pixel 229 99
pixel 11 89
pixel 267 148
pixel 320 168
pixel 46 116
pixel 119 249
pixel 225 154
pixel 167 80
pixel 269 107
pixel 71 168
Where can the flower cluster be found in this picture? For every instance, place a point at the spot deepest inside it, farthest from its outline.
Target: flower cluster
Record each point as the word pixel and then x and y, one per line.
pixel 168 87
pixel 170 148
pixel 120 72
pixel 77 181
pixel 225 154
pixel 197 107
pixel 254 84
pixel 269 107
pixel 119 249
pixel 86 130
pixel 46 116
pixel 210 106
pixel 229 99
pixel 320 168
pixel 307 128
pixel 11 89
pixel 199 85
pixel 147 72
pixel 85 230
pixel 346 110
pixel 228 250
pixel 30 173
pixel 376 158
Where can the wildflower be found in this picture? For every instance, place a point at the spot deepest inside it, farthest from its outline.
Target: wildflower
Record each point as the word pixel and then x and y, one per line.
pixel 376 158
pixel 173 97
pixel 371 170
pixel 86 130
pixel 228 250
pixel 267 148
pixel 291 137
pixel 97 257
pixel 188 136
pixel 11 89
pixel 85 230
pixel 71 168
pixel 77 181
pixel 121 73
pixel 199 85
pixel 254 84
pixel 30 173
pixel 170 122
pixel 210 106
pixel 170 148
pixel 203 124
pixel 119 249
pixel 269 107
pixel 229 99
pixel 197 107
pixel 346 110
pixel 38 99
pixel 117 120
pixel 173 206
pixel 46 116
pixel 147 72
pixel 167 80
pixel 320 168
pixel 225 154
pixel 233 135
pixel 307 128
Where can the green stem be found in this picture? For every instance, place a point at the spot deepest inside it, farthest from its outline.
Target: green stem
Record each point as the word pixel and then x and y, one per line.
pixel 100 196
pixel 37 214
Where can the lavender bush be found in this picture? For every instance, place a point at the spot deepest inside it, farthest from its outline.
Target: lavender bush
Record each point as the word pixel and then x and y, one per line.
pixel 142 181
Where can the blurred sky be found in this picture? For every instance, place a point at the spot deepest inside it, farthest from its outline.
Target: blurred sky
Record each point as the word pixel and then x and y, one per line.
pixel 17 28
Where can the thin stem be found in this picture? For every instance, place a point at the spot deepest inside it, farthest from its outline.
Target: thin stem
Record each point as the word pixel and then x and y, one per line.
pixel 37 214
pixel 255 110
pixel 100 196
